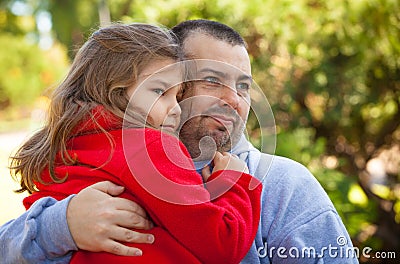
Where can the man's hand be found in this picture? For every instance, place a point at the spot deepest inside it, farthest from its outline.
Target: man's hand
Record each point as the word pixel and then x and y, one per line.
pixel 99 222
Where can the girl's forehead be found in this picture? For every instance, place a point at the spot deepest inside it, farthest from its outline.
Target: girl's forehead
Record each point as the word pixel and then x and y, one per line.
pixel 160 67
pixel 167 71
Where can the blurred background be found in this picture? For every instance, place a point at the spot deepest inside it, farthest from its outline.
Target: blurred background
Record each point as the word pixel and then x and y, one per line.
pixel 330 70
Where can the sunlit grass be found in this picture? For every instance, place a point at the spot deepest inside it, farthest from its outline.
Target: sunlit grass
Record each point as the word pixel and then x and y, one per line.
pixel 7 126
pixel 15 126
pixel 10 202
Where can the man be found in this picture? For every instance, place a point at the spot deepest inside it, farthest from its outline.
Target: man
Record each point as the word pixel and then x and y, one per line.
pixel 298 222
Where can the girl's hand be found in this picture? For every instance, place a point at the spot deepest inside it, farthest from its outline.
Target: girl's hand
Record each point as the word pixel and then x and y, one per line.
pixel 225 161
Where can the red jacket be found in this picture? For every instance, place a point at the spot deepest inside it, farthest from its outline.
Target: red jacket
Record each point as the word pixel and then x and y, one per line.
pixel 214 222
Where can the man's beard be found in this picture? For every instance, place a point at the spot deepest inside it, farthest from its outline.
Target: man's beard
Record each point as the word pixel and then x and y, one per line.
pixel 202 141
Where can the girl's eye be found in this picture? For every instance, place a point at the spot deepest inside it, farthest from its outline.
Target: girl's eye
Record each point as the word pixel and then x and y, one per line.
pixel 159 91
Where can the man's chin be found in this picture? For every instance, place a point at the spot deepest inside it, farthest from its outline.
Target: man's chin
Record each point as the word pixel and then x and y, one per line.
pixel 222 140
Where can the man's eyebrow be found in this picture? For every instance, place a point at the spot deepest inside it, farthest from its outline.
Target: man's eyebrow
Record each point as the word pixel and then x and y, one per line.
pixel 218 73
pixel 224 75
pixel 245 77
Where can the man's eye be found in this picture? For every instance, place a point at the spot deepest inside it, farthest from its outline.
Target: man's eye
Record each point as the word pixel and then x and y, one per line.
pixel 211 79
pixel 243 86
pixel 159 91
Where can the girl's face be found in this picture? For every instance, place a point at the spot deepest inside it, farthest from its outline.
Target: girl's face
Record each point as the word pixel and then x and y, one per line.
pixel 155 94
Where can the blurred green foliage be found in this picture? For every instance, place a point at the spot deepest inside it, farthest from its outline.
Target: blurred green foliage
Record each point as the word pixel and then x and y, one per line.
pixel 330 70
pixel 26 70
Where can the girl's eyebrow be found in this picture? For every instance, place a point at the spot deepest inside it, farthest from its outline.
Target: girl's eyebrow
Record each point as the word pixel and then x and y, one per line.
pixel 148 75
pixel 163 83
pixel 159 81
pixel 156 78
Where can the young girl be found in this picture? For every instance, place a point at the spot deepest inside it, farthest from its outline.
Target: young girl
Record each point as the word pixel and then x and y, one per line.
pixel 87 139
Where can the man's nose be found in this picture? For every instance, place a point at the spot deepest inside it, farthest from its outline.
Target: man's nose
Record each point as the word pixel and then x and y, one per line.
pixel 230 97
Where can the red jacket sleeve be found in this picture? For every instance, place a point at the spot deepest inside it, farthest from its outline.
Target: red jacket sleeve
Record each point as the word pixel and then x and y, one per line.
pixel 215 222
pixel 161 175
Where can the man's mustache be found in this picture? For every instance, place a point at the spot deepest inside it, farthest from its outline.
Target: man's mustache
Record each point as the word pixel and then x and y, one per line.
pixel 223 111
pixel 229 113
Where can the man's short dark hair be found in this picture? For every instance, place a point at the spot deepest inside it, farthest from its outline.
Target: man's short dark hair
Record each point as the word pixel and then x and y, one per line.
pixel 214 29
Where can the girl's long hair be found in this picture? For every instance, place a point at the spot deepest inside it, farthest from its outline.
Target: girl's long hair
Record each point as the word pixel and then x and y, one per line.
pixel 104 67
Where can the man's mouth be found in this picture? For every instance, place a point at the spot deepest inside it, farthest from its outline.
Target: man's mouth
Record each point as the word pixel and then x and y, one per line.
pixel 225 121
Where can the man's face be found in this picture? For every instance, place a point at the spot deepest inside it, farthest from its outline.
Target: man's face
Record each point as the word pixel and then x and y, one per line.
pixel 217 105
